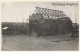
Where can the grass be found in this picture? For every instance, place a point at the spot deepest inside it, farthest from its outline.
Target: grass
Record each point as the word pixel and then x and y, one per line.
pixel 31 43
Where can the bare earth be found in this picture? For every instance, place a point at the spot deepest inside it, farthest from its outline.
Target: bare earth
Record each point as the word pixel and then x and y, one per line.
pixel 48 43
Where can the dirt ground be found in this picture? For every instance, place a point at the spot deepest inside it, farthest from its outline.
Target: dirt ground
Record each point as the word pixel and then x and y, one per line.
pixel 31 43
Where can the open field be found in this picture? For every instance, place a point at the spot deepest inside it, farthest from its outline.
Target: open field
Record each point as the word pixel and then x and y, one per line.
pixel 30 43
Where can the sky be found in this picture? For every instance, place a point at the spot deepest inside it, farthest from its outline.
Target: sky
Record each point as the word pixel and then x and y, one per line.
pixel 20 11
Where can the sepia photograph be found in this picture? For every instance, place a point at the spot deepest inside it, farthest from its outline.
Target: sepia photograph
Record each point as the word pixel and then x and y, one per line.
pixel 40 26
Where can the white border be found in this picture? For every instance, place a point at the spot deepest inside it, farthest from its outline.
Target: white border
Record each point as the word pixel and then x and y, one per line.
pixel 33 1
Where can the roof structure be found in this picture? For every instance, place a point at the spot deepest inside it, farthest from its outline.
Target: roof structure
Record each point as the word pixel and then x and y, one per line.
pixel 50 13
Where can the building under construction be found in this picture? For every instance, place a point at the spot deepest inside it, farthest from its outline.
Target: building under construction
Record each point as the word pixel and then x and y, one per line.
pixel 49 22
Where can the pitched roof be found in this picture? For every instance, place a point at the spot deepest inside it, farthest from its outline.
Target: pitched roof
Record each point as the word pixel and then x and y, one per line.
pixel 50 12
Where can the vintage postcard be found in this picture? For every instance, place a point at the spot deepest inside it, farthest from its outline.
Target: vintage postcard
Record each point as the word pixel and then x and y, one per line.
pixel 40 26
